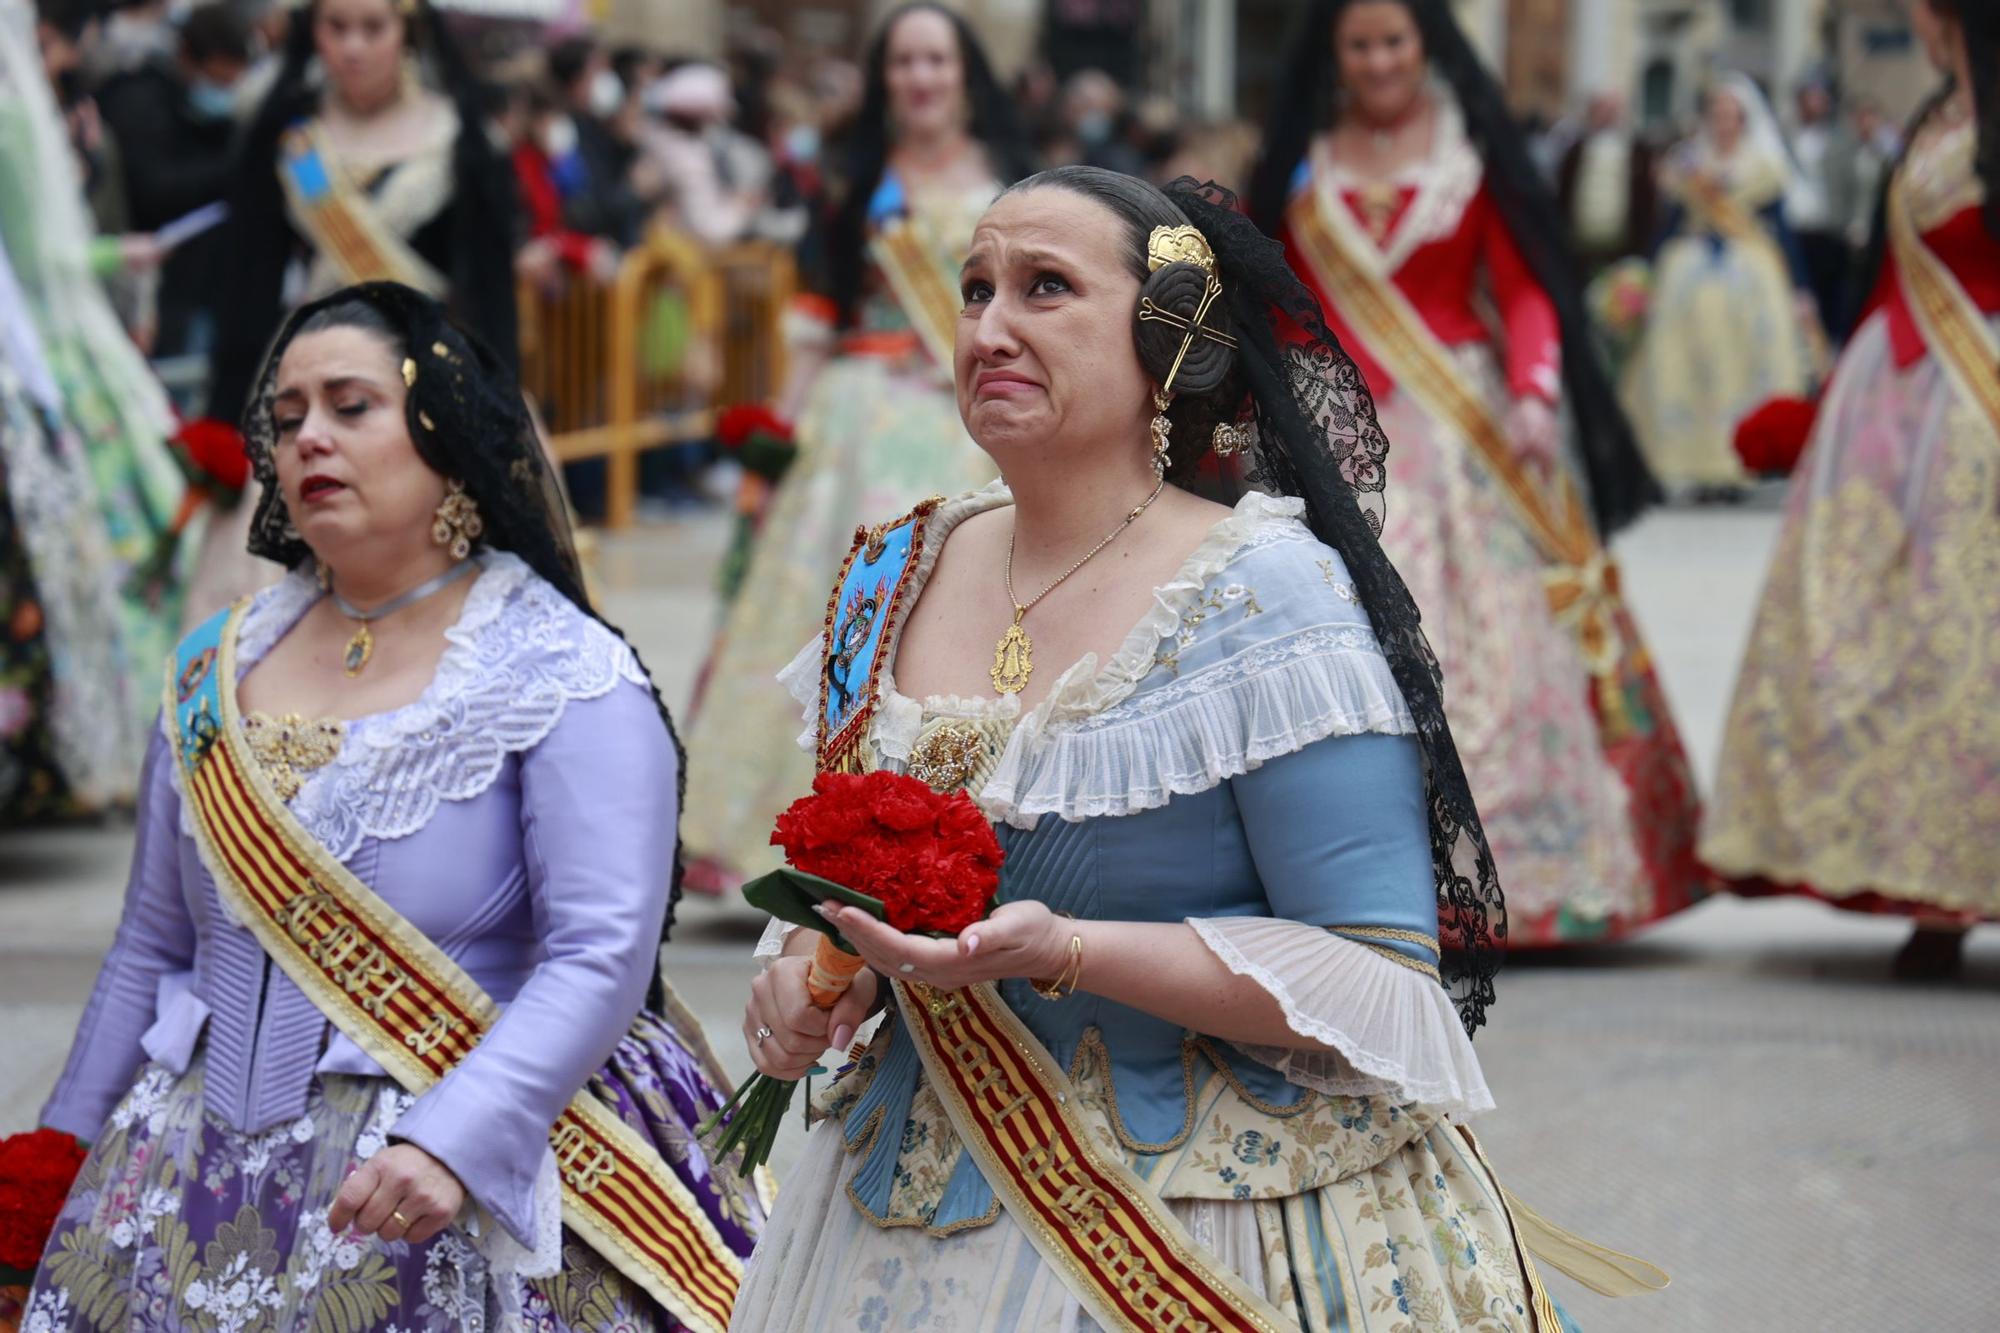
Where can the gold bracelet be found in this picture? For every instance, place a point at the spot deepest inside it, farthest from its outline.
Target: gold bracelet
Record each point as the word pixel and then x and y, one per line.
pixel 1064 985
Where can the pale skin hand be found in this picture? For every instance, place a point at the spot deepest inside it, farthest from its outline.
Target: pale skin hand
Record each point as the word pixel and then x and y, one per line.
pixel 1161 968
pixel 405 1179
pixel 1532 427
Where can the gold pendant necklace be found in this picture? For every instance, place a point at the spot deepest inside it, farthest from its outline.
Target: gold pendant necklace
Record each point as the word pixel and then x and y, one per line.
pixel 361 646
pixel 1014 654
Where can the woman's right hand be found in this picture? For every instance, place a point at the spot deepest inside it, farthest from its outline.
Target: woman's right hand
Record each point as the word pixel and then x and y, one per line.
pixel 799 1032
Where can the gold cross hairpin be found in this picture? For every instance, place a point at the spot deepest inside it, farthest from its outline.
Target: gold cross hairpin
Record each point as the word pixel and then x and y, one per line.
pixel 1193 327
pixel 1147 310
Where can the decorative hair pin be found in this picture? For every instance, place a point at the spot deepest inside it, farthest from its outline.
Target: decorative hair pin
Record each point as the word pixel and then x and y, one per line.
pixel 409 373
pixel 1183 245
pixel 1179 245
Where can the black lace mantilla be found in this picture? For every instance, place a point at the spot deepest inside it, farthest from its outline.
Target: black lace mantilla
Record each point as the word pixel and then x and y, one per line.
pixel 1317 437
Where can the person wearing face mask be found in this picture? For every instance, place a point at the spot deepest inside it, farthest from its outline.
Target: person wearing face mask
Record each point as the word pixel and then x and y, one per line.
pixel 1732 322
pixel 1412 209
pixel 548 170
pixel 869 387
pixel 598 199
pixel 175 121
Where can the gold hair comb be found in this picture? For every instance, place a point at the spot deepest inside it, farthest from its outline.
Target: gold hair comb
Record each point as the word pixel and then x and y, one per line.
pixel 1179 245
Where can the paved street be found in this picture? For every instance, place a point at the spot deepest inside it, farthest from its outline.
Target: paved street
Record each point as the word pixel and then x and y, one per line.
pixel 1743 1096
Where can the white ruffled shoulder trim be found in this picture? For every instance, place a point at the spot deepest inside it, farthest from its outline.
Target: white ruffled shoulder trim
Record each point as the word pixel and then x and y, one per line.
pixel 1392 1029
pixel 520 653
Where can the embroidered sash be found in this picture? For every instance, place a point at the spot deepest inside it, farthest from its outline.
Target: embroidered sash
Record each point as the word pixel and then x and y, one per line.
pixel 339 220
pixel 402 1000
pixel 1725 212
pixel 1581 578
pixel 925 291
pixel 866 600
pixel 1954 329
pixel 1117 1248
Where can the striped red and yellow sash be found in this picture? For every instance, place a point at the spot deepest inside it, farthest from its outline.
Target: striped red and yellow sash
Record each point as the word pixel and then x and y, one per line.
pixel 405 1002
pixel 339 221
pixel 1954 328
pixel 1096 1223
pixel 927 295
pixel 1581 578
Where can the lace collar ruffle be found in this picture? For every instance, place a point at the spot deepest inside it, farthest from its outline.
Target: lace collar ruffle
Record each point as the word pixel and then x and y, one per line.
pixel 519 654
pixel 1091 748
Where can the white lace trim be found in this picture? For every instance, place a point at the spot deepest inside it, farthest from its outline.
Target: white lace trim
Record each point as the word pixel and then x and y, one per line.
pixel 519 654
pixel 508 1258
pixel 1391 1029
pixel 1447 180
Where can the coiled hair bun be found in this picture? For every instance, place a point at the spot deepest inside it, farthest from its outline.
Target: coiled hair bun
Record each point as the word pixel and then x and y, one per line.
pixel 1178 289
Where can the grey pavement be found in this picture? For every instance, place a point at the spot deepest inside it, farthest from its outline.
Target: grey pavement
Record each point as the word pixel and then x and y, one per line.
pixel 1742 1095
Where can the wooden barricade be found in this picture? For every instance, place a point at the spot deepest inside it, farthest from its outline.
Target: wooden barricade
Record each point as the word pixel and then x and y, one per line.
pixel 758 281
pixel 603 390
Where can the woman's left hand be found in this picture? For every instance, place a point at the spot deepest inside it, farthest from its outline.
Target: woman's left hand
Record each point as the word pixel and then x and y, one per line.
pixel 401 1193
pixel 1533 431
pixel 1020 939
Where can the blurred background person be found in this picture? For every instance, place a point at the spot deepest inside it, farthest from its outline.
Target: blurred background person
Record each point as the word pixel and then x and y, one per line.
pixel 371 157
pixel 108 396
pixel 66 32
pixel 1733 323
pixel 1094 126
pixel 1605 184
pixel 1407 198
pixel 1861 763
pixel 597 194
pixel 175 121
pixel 1816 201
pixel 718 177
pixel 870 389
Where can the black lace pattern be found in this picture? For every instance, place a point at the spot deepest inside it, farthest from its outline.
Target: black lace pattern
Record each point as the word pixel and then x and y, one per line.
pixel 1317 437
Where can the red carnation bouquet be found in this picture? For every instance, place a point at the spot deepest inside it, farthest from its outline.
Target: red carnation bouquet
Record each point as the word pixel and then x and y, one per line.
pixel 922 860
pixel 756 437
pixel 36 1172
pixel 1770 439
pixel 216 466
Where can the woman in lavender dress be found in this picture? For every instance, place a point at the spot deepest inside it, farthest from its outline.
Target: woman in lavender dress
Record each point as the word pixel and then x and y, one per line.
pixel 431 699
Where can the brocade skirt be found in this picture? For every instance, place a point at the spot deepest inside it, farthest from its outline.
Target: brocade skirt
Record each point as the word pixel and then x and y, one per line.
pixel 179 1222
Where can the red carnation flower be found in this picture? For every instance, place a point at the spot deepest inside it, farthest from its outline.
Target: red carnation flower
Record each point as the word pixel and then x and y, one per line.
pixel 215 450
pixel 36 1172
pixel 736 425
pixel 1770 439
pixel 931 859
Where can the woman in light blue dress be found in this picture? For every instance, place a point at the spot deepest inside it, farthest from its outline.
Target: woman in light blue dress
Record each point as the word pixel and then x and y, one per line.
pixel 1206 1063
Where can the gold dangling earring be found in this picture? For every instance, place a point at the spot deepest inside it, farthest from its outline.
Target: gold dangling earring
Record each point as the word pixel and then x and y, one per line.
pixel 1161 429
pixel 324 572
pixel 457 523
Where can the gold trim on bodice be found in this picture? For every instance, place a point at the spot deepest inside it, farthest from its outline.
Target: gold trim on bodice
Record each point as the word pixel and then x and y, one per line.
pixel 292 748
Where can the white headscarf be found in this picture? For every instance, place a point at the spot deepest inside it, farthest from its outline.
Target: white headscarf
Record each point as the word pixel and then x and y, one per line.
pixel 1761 135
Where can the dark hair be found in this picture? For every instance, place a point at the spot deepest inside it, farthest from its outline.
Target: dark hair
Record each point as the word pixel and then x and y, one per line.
pixel 68 17
pixel 569 58
pixel 994 125
pixel 215 32
pixel 258 236
pixel 1208 389
pixel 469 422
pixel 1620 485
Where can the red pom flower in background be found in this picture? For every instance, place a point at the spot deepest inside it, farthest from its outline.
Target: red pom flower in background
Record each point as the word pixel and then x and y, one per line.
pixel 216 465
pixel 1770 439
pixel 758 438
pixel 36 1172
pixel 925 861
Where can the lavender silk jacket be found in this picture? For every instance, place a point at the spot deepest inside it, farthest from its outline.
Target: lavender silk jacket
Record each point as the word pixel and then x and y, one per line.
pixel 521 814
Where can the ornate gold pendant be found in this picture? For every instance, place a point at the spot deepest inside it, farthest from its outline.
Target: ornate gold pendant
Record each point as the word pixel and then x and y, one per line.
pixel 359 649
pixel 1013 660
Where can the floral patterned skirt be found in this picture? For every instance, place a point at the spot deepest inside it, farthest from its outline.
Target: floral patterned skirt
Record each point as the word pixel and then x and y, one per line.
pixel 179 1222
pixel 1420 1243
pixel 1862 757
pixel 1592 818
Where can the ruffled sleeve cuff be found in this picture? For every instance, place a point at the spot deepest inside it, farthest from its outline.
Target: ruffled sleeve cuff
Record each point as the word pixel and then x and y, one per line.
pixel 800 678
pixel 1387 1025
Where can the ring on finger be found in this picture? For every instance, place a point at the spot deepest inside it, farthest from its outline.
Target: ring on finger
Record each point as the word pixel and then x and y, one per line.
pixel 907 968
pixel 398 1218
pixel 761 1034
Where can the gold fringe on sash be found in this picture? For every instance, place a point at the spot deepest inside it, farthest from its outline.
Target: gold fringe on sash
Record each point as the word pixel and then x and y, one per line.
pixel 924 290
pixel 340 222
pixel 1954 329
